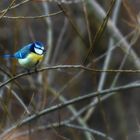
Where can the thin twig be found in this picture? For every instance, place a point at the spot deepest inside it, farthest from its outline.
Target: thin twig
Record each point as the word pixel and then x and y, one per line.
pixel 87 23
pixel 49 35
pixel 76 67
pixel 58 47
pixel 65 123
pixel 33 17
pixel 15 6
pixel 10 5
pixel 95 132
pixel 100 32
pixel 73 24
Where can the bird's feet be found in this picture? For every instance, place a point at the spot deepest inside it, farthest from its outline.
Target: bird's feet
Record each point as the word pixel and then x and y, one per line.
pixel 36 70
pixel 29 72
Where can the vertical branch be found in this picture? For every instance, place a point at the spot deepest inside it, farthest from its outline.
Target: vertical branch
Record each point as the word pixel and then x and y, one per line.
pixel 59 42
pixel 111 43
pixel 49 35
pixel 99 32
pixel 72 22
pixel 87 23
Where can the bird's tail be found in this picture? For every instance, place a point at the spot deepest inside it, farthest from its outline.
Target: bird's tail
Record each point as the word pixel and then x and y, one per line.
pixel 8 56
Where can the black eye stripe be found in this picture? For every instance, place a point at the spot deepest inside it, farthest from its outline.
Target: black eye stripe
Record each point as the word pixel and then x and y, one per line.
pixel 39 48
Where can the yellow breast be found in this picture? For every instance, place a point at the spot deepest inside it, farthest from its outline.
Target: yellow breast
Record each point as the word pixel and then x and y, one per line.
pixel 31 60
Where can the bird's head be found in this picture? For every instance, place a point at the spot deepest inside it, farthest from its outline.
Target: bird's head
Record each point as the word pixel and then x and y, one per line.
pixel 38 48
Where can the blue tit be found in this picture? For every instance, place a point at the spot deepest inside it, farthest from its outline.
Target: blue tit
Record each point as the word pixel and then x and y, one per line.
pixel 30 55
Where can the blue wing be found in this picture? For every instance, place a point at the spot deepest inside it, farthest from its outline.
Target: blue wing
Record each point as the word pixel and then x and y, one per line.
pixel 22 53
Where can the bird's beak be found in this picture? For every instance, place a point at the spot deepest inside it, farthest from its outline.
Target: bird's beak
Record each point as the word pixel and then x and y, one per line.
pixel 44 51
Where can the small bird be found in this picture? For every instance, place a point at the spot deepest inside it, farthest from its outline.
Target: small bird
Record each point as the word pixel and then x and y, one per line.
pixel 30 55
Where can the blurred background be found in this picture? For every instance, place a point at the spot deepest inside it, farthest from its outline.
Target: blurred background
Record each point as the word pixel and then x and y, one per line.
pixel 70 30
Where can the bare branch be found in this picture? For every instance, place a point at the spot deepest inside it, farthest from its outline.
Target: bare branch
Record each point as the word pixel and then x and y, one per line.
pixel 63 105
pixel 76 67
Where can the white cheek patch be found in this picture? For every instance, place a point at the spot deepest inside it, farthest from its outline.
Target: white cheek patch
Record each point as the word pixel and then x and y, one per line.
pixel 38 51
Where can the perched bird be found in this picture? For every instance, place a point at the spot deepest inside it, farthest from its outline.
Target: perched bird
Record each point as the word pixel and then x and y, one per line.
pixel 30 55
